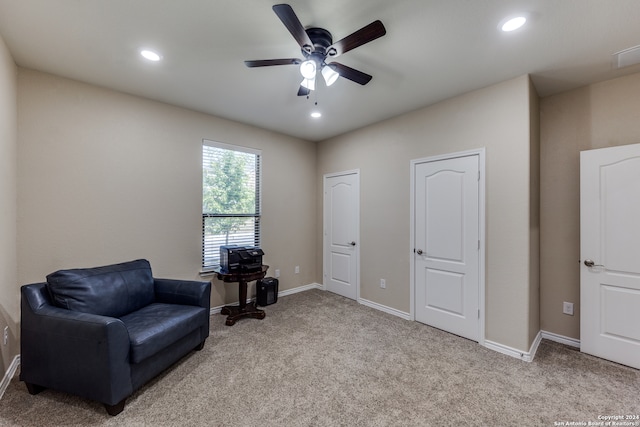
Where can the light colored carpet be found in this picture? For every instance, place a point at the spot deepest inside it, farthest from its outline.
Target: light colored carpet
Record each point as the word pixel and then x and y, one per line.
pixel 318 359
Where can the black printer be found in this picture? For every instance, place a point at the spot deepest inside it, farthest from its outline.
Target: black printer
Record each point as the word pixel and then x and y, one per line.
pixel 250 259
pixel 240 259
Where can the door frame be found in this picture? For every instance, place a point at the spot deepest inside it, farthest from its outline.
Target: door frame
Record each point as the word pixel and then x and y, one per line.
pixel 480 152
pixel 325 177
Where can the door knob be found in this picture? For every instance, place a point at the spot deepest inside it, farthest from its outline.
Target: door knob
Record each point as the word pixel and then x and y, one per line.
pixel 419 251
pixel 589 263
pixel 352 243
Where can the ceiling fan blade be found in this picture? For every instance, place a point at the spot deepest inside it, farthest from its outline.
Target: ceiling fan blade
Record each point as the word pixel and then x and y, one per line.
pixel 350 73
pixel 303 91
pixel 358 38
pixel 293 24
pixel 270 62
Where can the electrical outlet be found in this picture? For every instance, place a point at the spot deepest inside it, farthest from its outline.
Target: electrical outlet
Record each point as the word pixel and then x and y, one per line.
pixel 383 284
pixel 297 269
pixel 5 336
pixel 277 273
pixel 567 308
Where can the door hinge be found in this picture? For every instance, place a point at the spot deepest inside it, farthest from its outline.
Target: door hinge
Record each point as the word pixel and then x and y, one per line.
pixel 478 313
pixel 478 175
pixel 478 244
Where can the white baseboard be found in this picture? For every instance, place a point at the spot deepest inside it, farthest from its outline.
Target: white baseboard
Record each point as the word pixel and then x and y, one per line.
pixel 217 309
pixel 528 356
pixel 534 346
pixel 513 352
pixel 561 339
pixel 300 289
pixel 389 310
pixel 13 367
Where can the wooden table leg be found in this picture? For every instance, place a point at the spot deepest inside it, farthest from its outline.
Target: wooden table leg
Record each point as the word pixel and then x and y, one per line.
pixel 235 312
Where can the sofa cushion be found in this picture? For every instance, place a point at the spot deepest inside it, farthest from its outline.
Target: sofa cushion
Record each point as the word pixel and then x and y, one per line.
pixel 156 326
pixel 112 290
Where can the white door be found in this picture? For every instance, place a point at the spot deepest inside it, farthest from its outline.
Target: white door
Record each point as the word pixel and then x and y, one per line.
pixel 610 253
pixel 341 233
pixel 446 241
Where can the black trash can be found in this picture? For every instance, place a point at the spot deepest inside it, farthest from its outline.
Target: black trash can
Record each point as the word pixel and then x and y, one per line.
pixel 267 291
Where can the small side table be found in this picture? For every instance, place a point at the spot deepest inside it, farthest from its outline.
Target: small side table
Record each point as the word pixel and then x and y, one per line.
pixel 235 312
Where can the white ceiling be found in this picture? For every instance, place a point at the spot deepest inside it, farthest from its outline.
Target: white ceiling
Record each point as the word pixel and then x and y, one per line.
pixel 433 50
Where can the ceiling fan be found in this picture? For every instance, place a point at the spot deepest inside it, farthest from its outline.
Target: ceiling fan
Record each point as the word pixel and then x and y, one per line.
pixel 317 46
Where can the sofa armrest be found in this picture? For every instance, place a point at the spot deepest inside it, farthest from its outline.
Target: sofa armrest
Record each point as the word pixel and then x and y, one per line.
pixel 185 292
pixel 81 353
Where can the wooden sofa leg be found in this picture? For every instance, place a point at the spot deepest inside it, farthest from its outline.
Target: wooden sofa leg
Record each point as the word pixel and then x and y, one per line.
pixel 114 410
pixel 34 388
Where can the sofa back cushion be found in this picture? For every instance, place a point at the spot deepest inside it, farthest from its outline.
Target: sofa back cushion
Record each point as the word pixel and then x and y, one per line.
pixel 112 290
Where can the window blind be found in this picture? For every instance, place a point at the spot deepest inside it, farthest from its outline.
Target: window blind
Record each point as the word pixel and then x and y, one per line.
pixel 230 199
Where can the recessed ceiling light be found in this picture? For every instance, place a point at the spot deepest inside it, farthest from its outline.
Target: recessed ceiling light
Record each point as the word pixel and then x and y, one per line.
pixel 513 23
pixel 150 55
pixel 316 114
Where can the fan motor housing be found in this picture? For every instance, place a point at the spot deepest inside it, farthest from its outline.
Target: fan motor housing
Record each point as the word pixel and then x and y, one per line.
pixel 321 40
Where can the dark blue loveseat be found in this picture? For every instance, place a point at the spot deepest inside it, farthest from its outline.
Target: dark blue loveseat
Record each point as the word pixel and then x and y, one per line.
pixel 102 333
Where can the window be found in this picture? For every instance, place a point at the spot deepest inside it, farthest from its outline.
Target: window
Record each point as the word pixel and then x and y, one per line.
pixel 230 199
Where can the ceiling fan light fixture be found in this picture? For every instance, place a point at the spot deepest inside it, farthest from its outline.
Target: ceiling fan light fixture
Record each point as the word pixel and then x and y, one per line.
pixel 308 69
pixel 330 75
pixel 309 83
pixel 316 46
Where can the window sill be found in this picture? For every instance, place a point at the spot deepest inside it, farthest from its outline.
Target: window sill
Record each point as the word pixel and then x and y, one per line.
pixel 207 273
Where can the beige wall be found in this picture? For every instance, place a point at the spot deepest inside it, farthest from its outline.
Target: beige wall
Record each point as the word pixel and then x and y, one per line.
pixel 9 301
pixel 97 168
pixel 106 177
pixel 534 214
pixel 498 118
pixel 601 115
